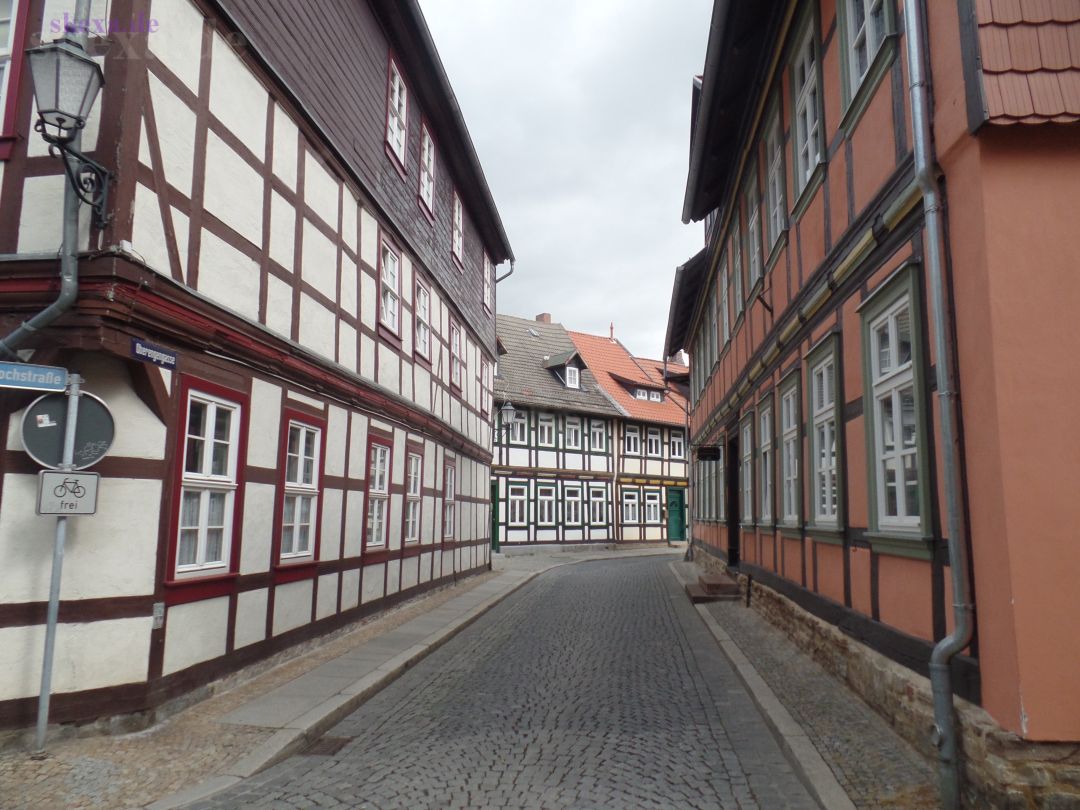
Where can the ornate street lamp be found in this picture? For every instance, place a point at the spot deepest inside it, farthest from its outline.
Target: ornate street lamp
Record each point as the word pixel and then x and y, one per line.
pixel 66 84
pixel 507 413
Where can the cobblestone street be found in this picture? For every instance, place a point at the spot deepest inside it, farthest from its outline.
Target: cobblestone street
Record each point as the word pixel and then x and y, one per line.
pixel 595 685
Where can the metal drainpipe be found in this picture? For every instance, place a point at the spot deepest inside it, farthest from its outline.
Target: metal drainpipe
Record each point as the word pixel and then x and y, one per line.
pixel 69 260
pixel 945 730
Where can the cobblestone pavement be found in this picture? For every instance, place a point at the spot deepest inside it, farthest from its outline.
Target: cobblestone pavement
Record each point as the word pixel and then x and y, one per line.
pixel 875 766
pixel 596 685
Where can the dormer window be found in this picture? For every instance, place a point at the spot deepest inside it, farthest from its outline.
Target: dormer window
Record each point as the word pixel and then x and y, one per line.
pixel 641 393
pixel 573 377
pixel 656 396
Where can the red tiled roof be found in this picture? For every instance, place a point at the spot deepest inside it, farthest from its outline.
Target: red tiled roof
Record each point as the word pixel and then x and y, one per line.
pixel 609 362
pixel 1030 60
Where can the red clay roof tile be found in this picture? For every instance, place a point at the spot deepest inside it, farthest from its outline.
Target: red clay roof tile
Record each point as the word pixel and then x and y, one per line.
pixel 1054 47
pixel 1007 12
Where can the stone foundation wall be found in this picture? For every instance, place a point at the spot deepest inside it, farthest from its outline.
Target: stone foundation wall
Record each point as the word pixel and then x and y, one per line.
pixel 1001 770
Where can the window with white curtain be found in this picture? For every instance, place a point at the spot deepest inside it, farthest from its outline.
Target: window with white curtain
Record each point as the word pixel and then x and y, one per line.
pixel 825 479
pixel 300 508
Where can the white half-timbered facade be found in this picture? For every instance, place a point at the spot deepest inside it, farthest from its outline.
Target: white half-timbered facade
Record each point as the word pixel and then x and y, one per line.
pixel 290 316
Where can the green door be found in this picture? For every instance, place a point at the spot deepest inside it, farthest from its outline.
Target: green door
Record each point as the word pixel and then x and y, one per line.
pixel 676 514
pixel 494 515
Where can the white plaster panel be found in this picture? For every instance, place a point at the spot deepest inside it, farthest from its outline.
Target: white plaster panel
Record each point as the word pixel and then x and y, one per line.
pixel 285 146
pixel 319 257
pixel 422 387
pixel 42 215
pixel 406 278
pixel 367 358
pixel 237 98
pixel 406 380
pixel 228 277
pixel 292 606
pixel 322 191
pixel 317 327
pixel 409 574
pixel 258 530
pixel 263 423
pixel 234 190
pixel 349 221
pixel 347 347
pixel 139 434
pixel 194 633
pixel 177 42
pixel 350 589
pixel 367 300
pixel 330 537
pixel 372 580
pixel 326 598
pixel 90 656
pixel 393 577
pixel 282 231
pixel 279 306
pixel 369 239
pixel 425 567
pixel 389 368
pixel 175 123
pixel 348 286
pixel 354 523
pixel 250 618
pixel 317 404
pixel 110 554
pixel 144 148
pixel 336 424
pixel 358 447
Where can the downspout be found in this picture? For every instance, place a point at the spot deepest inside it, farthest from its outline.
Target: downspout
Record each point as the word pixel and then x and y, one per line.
pixel 507 274
pixel 69 261
pixel 945 730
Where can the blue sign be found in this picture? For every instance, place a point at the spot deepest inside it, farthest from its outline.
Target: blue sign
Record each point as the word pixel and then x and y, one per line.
pixel 33 378
pixel 148 352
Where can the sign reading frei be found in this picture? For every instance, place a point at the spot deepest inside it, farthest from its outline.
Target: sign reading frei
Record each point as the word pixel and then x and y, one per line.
pixel 33 378
pixel 148 352
pixel 43 431
pixel 67 493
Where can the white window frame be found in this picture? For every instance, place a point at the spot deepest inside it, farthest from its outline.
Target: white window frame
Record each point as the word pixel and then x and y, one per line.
pixel 390 288
pixel 449 500
pixel 489 287
pixel 457 241
pixel 422 322
pixel 656 396
pixel 642 394
pixel 825 469
pixel 397 112
pixel 725 311
pixel 545 505
pixel 719 477
pixel 752 198
pixel 378 495
pixel 677 445
pixel 572 433
pixel 870 35
pixel 427 169
pixel 775 182
pixel 303 487
pixel 205 483
pixel 457 365
pixel 632 448
pixel 889 380
pixel 746 470
pixel 598 436
pixel 790 455
pixel 414 482
pixel 545 430
pixel 806 137
pixel 654 445
pixel 517 510
pixel 7 56
pixel 652 507
pixel 573 377
pixel 765 463
pixel 572 514
pixel 519 428
pixel 630 506
pixel 597 506
pixel 736 265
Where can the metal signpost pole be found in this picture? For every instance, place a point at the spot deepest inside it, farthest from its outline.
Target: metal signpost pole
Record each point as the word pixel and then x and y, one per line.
pixel 67 464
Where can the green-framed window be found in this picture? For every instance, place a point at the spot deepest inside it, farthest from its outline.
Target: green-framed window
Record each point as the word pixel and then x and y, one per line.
pixel 826 435
pixel 735 247
pixel 894 374
pixel 868 36
pixel 766 461
pixel 746 468
pixel 775 184
pixel 752 202
pixel 790 451
pixel 808 124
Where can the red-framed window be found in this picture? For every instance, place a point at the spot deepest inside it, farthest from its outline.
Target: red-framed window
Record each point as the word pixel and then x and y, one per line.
pixel 426 189
pixel 422 321
pixel 13 22
pixel 457 356
pixel 414 489
pixel 449 500
pixel 377 524
pixel 397 113
pixel 389 287
pixel 207 506
pixel 457 243
pixel 301 464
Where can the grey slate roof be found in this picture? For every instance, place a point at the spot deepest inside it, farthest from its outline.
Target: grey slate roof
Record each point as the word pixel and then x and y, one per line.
pixel 525 381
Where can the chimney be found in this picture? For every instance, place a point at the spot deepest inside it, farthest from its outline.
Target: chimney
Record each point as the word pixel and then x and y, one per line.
pixel 611 331
pixel 543 317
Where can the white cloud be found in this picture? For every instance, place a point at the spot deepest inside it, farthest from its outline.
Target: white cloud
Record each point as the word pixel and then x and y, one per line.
pixel 580 112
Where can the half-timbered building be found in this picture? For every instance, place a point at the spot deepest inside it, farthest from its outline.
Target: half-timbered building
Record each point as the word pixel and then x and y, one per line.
pixel 290 314
pixel 879 343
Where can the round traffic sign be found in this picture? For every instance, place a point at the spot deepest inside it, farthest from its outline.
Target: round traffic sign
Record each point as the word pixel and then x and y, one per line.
pixel 43 430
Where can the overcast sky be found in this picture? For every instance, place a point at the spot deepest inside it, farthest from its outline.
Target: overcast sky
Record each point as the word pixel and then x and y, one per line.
pixel 580 112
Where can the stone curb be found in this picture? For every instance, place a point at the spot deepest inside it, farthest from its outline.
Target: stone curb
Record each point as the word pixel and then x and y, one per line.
pixel 303 731
pixel 814 772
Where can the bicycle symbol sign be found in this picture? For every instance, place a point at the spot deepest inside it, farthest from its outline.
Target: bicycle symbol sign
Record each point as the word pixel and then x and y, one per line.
pixel 67 493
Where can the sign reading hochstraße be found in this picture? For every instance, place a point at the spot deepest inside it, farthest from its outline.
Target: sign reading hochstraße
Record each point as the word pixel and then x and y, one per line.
pixel 33 378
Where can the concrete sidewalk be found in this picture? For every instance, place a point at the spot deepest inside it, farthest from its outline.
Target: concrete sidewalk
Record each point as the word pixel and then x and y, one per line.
pixel 265 719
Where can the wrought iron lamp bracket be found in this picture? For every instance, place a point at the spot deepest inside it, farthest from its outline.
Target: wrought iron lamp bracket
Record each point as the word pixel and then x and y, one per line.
pixel 88 178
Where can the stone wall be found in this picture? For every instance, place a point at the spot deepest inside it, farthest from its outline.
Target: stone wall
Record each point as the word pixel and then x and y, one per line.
pixel 1001 769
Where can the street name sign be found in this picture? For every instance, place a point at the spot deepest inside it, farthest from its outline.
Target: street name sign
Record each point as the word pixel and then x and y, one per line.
pixel 43 431
pixel 33 378
pixel 61 492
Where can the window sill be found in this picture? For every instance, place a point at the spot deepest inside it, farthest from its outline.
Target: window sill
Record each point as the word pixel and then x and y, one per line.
pixel 869 85
pixel 386 334
pixel 900 544
pixel 429 215
pixel 294 571
pixel 423 361
pixel 833 535
pixel 802 202
pixel 395 160
pixel 774 252
pixel 794 532
pixel 196 589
